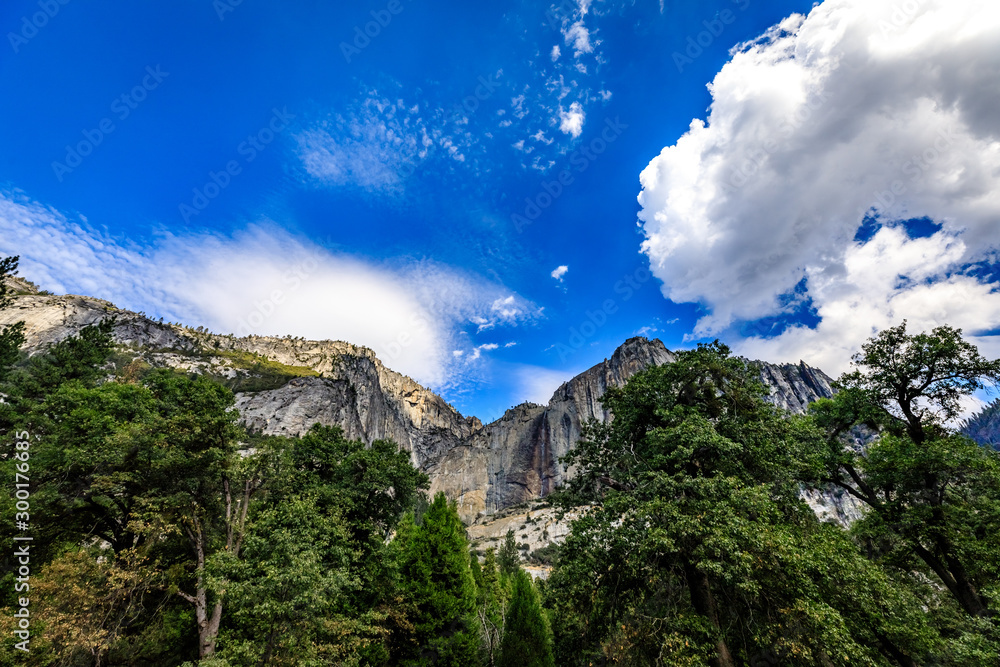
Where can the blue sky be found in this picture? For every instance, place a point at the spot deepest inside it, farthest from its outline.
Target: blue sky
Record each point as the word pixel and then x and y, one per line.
pixel 271 168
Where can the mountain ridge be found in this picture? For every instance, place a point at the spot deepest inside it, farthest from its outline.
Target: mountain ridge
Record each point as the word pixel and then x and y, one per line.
pixel 291 383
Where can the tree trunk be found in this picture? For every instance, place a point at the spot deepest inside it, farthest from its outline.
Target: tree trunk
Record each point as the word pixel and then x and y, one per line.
pixel 235 523
pixel 955 579
pixel 704 603
pixel 891 650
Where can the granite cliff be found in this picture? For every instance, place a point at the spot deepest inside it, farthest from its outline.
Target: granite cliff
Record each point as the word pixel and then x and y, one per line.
pixel 284 385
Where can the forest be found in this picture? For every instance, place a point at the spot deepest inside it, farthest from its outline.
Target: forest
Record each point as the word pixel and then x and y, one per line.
pixel 145 526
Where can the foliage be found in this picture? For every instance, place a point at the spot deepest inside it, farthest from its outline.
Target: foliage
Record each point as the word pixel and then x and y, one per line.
pixel 546 555
pixel 698 549
pixel 158 539
pixel 286 591
pixel 11 336
pixel 509 558
pixel 259 373
pixel 165 535
pixel 493 594
pixel 527 636
pixel 933 496
pixel 436 580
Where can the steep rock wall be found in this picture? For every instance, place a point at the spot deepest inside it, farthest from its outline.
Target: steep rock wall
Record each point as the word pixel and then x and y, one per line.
pixel 484 468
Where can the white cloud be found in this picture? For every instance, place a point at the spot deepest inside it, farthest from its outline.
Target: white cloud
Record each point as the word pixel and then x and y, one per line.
pixel 559 272
pixel 540 136
pixel 379 143
pixel 264 280
pixel 537 384
pixel 578 37
pixel 517 104
pixel 476 352
pixel 890 278
pixel 556 52
pixel 571 121
pixel 813 125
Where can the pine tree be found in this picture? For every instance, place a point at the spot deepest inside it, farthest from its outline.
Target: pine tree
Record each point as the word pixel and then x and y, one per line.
pixel 491 607
pixel 508 559
pixel 527 637
pixel 437 581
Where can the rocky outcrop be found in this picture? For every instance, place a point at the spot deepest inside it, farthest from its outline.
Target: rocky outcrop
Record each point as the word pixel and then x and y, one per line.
pixel 794 386
pixel 484 468
pixel 984 427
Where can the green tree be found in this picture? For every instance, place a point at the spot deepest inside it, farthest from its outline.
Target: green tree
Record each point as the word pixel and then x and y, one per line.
pixel 932 495
pixel 436 579
pixel 286 592
pixel 698 550
pixel 347 498
pixel 12 335
pixel 527 636
pixel 509 559
pixel 491 606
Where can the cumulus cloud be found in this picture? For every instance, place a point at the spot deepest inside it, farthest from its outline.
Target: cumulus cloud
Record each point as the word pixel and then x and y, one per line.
pixel 556 52
pixel 866 110
pixel 265 280
pixel 559 272
pixel 887 279
pixel 571 121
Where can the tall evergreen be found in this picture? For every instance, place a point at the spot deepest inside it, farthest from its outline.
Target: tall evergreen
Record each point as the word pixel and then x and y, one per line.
pixel 437 581
pixel 527 637
pixel 491 606
pixel 508 559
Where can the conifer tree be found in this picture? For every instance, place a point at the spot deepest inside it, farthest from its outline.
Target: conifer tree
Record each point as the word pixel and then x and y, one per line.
pixel 491 607
pixel 527 637
pixel 508 559
pixel 437 581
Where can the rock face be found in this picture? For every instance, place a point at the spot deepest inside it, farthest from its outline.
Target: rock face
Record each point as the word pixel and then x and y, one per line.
pixel 984 427
pixel 793 387
pixel 484 468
